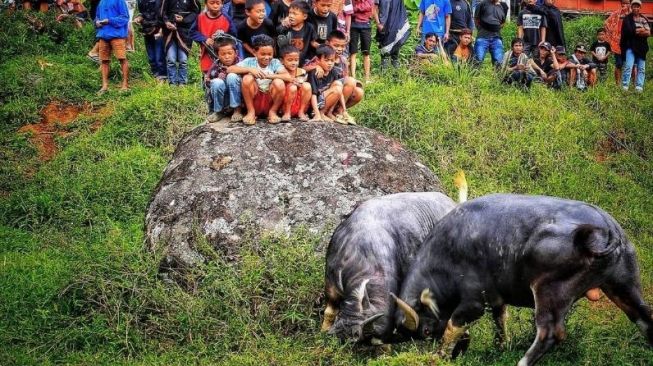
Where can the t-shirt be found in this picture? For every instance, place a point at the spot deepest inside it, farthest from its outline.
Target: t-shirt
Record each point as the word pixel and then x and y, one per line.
pixel 273 68
pixel 319 85
pixel 421 50
pixel 245 33
pixel 461 15
pixel 322 25
pixel 279 12
pixel 531 22
pixel 490 17
pixel 238 12
pixel 601 49
pixel 462 54
pixel 546 65
pixel 301 39
pixel 434 15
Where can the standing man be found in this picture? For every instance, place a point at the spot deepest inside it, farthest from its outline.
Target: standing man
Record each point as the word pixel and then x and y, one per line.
pixel 490 17
pixel 613 30
pixel 434 17
pixel 461 18
pixel 111 21
pixel 392 29
pixel 555 33
pixel 531 27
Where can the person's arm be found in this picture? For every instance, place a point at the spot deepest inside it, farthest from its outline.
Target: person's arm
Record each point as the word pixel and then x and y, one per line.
pixel 447 26
pixel 122 18
pixel 197 36
pixel 470 19
pixel 534 66
pixel 242 70
pixel 542 34
pixel 420 17
pixel 520 32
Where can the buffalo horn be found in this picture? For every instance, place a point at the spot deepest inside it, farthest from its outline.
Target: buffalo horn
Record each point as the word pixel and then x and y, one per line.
pixel 427 299
pixel 369 321
pixel 411 319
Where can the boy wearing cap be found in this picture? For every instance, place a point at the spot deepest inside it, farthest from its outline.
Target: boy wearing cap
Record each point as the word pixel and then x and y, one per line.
pixel 547 66
pixel 634 46
pixel 583 74
pixel 564 65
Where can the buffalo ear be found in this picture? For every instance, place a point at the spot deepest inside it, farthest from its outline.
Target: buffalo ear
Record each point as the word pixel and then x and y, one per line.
pixel 411 319
pixel 363 298
pixel 427 300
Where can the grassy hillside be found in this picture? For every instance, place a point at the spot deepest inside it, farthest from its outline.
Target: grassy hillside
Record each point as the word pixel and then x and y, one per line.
pixel 76 286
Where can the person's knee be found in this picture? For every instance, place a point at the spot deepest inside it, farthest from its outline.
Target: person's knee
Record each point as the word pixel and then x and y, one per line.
pixel 248 80
pixel 292 88
pixel 233 79
pixel 278 85
pixel 217 84
pixel 306 88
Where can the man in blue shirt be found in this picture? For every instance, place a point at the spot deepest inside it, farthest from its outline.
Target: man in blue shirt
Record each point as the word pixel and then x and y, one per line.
pixel 435 17
pixel 111 22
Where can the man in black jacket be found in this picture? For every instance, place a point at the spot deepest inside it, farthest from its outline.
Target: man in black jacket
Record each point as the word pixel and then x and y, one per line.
pixel 150 26
pixel 178 16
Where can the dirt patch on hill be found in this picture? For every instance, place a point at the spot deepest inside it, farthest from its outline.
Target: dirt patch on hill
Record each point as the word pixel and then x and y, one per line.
pixel 55 119
pixel 613 142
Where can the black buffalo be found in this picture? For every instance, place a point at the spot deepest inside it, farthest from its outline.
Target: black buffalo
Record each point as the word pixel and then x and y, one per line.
pixel 368 256
pixel 528 251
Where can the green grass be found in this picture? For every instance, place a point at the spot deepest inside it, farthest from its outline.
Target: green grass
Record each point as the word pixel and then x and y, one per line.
pixel 77 286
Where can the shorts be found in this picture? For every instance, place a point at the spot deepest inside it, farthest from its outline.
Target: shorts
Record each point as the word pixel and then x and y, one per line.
pixel 365 35
pixel 618 61
pixel 262 103
pixel 117 45
pixel 296 104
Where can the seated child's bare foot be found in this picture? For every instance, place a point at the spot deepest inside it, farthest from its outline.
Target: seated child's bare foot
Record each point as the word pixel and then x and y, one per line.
pixel 237 116
pixel 285 117
pixel 102 91
pixel 303 117
pixel 273 118
pixel 340 119
pixel 329 117
pixel 249 119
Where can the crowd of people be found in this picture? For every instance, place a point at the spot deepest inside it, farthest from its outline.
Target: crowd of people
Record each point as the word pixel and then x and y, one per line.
pixel 281 59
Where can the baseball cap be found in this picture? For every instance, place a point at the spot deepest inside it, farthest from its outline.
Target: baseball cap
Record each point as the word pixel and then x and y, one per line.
pixel 561 50
pixel 638 2
pixel 581 48
pixel 546 45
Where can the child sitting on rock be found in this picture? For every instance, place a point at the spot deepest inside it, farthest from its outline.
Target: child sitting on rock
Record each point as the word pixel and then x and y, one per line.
pixel 224 88
pixel 298 91
pixel 263 85
pixel 326 89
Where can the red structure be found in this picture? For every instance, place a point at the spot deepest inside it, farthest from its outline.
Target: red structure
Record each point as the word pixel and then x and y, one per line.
pixel 599 6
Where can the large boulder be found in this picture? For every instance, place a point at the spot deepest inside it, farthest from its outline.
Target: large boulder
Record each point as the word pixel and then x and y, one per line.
pixel 225 180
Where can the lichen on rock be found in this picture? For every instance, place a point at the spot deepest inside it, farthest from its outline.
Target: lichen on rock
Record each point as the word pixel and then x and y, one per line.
pixel 226 179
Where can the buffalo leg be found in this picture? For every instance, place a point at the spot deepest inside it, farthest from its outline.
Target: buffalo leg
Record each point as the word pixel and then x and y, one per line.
pixel 499 315
pixel 627 295
pixel 551 306
pixel 330 314
pixel 457 328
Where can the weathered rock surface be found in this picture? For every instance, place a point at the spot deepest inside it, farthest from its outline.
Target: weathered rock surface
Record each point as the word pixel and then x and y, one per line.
pixel 225 179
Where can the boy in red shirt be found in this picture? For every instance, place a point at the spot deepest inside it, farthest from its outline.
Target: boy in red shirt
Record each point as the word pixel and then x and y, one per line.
pixel 207 24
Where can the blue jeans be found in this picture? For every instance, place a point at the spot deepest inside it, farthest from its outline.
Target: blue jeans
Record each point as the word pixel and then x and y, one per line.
pixel 630 61
pixel 176 54
pixel 155 55
pixel 494 44
pixel 226 92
